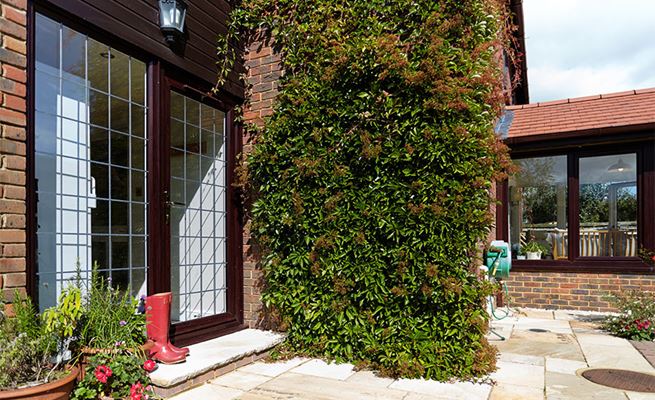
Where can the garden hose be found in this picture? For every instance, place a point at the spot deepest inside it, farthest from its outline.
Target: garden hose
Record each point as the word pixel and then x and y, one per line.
pixel 492 303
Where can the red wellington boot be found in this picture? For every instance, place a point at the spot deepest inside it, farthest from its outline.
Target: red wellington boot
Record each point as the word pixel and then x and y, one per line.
pixel 158 318
pixel 183 350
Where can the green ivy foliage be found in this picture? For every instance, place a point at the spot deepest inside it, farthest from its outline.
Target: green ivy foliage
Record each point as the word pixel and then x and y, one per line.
pixel 372 179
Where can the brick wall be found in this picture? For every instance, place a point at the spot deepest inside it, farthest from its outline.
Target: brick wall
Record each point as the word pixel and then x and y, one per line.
pixel 13 79
pixel 263 73
pixel 574 291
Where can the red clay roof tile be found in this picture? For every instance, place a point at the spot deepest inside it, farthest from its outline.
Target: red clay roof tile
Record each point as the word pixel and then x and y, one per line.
pixel 632 107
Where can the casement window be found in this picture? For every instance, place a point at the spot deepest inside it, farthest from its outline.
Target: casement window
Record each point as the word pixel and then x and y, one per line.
pixel 578 208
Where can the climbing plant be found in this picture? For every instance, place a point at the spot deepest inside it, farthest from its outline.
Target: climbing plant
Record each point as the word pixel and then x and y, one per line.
pixel 371 181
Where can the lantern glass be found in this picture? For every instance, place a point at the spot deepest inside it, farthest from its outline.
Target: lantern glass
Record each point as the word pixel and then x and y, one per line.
pixel 172 14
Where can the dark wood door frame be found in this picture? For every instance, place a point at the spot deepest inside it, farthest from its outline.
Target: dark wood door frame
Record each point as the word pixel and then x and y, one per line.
pixel 194 331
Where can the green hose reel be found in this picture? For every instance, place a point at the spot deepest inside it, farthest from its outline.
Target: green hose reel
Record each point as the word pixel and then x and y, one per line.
pixel 498 259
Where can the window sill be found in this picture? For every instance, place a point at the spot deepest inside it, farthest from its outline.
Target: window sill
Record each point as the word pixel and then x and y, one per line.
pixel 617 265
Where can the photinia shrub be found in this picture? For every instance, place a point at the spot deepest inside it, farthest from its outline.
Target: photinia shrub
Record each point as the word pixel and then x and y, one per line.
pixel 371 181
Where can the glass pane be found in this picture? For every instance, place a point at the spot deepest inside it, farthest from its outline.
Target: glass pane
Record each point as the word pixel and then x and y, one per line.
pixel 99 108
pixel 138 84
pixel 608 206
pixel 538 209
pixel 197 227
pixel 120 73
pixel 89 162
pixel 47 44
pixel 98 65
pixel 120 115
pixel 73 54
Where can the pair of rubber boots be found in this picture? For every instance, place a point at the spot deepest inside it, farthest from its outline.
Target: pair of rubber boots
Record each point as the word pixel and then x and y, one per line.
pixel 158 319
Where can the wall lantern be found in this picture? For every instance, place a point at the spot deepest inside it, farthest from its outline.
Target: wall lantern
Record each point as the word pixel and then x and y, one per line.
pixel 172 15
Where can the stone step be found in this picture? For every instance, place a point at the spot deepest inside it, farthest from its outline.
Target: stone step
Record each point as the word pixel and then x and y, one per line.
pixel 214 358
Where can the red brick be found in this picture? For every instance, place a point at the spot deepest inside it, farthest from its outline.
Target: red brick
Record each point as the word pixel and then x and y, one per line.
pixel 9 293
pixel 14 192
pixel 20 4
pixel 12 177
pixel 12 206
pixel 13 29
pixel 14 133
pixel 10 146
pixel 12 87
pixel 13 221
pixel 15 280
pixel 12 57
pixel 17 45
pixel 13 73
pixel 13 162
pixel 13 14
pixel 14 103
pixel 12 236
pixel 13 250
pixel 12 117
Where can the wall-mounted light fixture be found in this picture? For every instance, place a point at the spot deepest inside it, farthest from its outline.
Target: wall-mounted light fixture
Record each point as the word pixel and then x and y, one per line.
pixel 172 15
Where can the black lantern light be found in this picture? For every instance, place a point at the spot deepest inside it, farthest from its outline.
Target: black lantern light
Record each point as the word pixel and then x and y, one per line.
pixel 172 14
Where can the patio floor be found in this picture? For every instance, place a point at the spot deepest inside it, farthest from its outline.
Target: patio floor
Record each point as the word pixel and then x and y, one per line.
pixel 541 359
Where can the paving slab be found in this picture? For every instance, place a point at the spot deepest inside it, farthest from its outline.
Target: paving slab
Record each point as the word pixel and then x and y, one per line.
pixel 574 387
pixel 444 390
pixel 521 358
pixel 324 370
pixel 576 315
pixel 564 366
pixel 519 374
pixel 240 380
pixel 640 396
pixel 514 392
pixel 537 313
pixel 273 368
pixel 371 379
pixel 604 351
pixel 298 386
pixel 542 345
pixel 553 326
pixel 209 392
pixel 505 332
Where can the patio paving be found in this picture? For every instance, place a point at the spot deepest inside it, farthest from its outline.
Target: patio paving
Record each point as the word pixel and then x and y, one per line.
pixel 541 358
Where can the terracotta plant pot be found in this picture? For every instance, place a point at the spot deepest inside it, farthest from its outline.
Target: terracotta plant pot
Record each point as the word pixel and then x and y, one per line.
pixel 57 390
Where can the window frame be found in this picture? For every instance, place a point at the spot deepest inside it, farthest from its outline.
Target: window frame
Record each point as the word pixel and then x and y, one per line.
pixel 575 148
pixel 160 77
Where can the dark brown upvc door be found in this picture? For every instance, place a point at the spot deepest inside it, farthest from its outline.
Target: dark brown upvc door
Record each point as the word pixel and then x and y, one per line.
pixel 200 246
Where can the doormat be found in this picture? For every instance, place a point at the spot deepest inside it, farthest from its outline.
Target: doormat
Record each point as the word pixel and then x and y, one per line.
pixel 621 379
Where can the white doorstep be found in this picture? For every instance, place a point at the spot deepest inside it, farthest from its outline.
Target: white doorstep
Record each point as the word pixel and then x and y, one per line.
pixel 214 354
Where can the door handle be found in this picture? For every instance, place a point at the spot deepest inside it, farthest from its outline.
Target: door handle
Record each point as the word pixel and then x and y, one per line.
pixel 168 204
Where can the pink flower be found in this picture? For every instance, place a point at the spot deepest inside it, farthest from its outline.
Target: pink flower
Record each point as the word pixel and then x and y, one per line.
pixel 136 391
pixel 102 373
pixel 149 365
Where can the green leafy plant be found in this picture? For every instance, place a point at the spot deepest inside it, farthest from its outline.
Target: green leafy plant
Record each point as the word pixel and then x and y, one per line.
pixel 116 376
pixel 110 317
pixel 27 347
pixel 636 318
pixel 534 247
pixel 371 181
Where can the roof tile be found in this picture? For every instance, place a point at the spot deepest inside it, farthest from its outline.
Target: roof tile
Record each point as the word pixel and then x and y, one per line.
pixel 632 107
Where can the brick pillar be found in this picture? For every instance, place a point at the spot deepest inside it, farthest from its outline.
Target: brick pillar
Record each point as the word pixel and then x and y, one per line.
pixel 13 78
pixel 264 71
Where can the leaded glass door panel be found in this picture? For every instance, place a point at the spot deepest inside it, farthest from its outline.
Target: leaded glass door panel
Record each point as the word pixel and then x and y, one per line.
pixel 196 209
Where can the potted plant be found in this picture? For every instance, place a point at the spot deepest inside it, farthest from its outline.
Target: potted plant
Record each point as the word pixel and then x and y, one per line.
pixel 113 322
pixel 35 359
pixel 117 376
pixel 533 250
